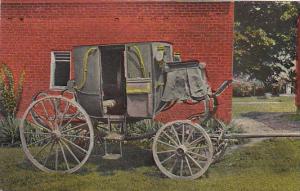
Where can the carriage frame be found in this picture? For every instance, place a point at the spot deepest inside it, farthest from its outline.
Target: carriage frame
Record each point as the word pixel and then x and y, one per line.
pixel 125 83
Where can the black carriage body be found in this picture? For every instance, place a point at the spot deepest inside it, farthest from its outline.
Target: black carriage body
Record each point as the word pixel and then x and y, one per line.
pixel 133 79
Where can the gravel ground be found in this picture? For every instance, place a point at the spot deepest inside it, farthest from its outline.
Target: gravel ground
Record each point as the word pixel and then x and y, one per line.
pixel 275 121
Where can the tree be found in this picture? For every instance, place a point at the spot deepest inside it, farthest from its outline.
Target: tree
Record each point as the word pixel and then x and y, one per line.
pixel 265 39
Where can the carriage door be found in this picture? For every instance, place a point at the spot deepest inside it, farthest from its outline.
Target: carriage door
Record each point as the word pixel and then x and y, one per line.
pixel 138 80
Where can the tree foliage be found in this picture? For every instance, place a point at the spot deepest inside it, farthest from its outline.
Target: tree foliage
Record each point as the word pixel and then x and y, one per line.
pixel 265 39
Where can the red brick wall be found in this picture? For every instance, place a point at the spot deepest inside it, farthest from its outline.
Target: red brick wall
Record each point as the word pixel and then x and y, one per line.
pixel 31 30
pixel 298 66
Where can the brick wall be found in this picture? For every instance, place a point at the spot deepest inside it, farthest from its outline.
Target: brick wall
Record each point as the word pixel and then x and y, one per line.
pixel 32 29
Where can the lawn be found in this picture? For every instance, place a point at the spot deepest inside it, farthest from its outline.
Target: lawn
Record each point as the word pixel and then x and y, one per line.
pixel 254 104
pixel 270 165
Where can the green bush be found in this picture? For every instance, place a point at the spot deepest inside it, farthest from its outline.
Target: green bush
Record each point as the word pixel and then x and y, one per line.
pixel 10 96
pixel 246 87
pixel 9 131
pixel 143 127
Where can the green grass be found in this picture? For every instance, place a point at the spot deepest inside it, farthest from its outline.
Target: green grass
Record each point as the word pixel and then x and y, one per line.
pixel 282 104
pixel 270 165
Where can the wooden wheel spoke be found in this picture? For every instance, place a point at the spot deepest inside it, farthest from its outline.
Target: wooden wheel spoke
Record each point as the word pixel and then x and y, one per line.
pixel 183 133
pixel 199 155
pixel 40 117
pixel 70 120
pixel 43 148
pixel 166 144
pixel 71 152
pixel 57 111
pixel 40 126
pixel 45 162
pixel 54 104
pixel 181 167
pixel 56 157
pixel 173 166
pixel 188 164
pixel 196 163
pixel 167 151
pixel 73 128
pixel 168 158
pixel 190 136
pixel 44 109
pixel 63 114
pixel 170 138
pixel 36 133
pixel 64 156
pixel 196 140
pixel 175 133
pixel 76 136
pixel 78 147
pixel 38 141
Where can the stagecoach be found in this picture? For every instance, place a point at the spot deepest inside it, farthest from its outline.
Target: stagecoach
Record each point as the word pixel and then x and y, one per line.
pixel 118 84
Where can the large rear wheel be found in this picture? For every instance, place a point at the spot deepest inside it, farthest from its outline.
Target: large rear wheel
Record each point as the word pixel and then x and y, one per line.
pixel 57 134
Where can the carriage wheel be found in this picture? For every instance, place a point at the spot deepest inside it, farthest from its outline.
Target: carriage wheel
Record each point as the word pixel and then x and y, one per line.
pixel 57 134
pixel 216 127
pixel 182 150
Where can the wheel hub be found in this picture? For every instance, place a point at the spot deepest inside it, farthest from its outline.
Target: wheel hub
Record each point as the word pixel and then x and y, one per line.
pixel 56 134
pixel 181 150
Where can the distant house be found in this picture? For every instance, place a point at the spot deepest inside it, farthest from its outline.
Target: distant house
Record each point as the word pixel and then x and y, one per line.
pixel 38 36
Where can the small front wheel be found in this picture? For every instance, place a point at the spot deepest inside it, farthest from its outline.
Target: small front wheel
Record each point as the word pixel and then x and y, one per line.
pixel 182 150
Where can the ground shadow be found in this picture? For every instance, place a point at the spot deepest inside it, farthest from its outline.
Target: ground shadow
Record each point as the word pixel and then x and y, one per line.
pixel 133 157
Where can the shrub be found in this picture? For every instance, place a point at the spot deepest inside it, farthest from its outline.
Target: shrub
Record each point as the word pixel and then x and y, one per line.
pixel 143 127
pixel 248 88
pixel 9 131
pixel 9 95
pixel 242 89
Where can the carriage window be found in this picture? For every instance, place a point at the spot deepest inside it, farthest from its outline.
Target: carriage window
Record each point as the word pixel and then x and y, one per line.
pixel 138 61
pixel 60 69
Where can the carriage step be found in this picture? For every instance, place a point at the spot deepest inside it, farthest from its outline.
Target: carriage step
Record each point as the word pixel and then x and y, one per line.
pixel 114 136
pixel 110 156
pixel 110 149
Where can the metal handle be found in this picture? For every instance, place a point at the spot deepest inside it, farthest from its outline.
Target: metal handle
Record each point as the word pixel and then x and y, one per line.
pixel 222 87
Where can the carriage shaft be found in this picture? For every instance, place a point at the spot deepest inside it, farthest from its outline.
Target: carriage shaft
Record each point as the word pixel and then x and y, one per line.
pixel 261 135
